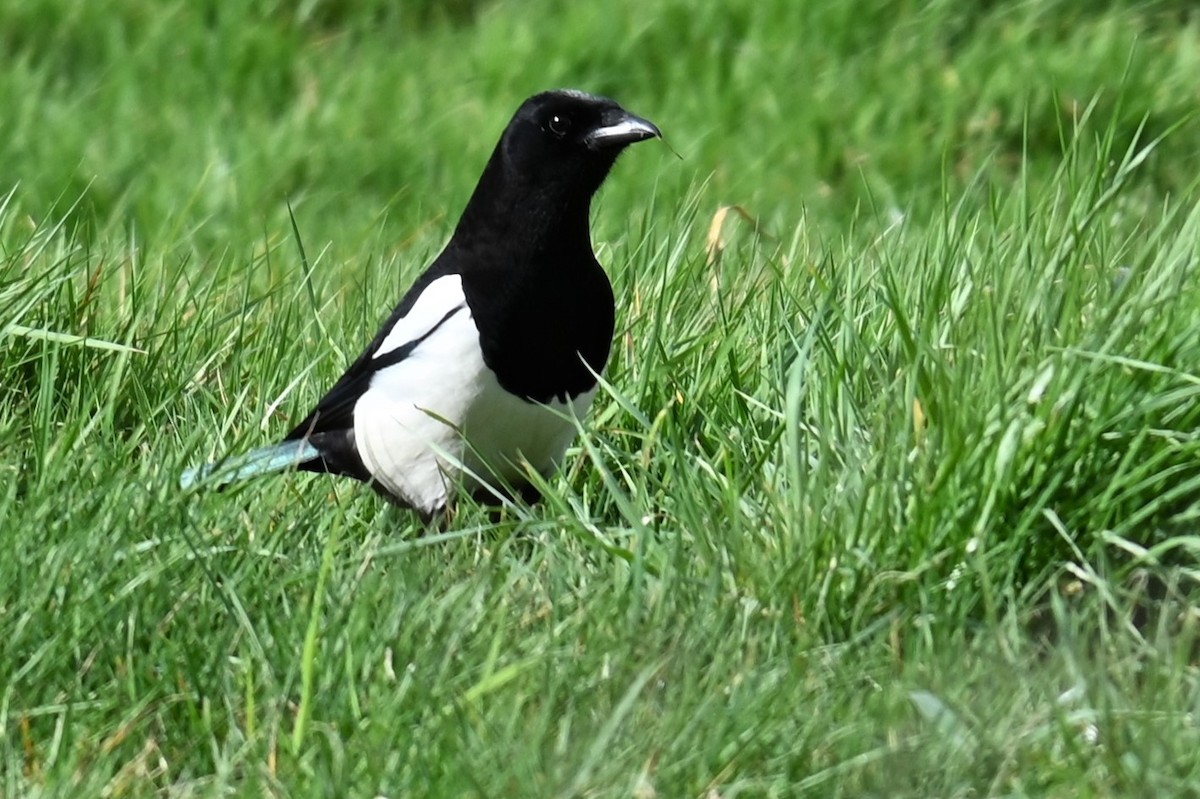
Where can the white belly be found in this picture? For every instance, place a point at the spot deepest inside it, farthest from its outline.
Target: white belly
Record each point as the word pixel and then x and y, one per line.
pixel 439 421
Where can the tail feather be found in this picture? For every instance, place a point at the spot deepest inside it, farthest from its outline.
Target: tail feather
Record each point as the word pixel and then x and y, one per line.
pixel 275 458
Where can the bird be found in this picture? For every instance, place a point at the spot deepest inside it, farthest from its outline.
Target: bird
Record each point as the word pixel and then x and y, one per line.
pixel 491 359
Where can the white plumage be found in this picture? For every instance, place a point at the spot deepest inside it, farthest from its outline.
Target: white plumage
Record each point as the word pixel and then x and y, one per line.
pixel 441 409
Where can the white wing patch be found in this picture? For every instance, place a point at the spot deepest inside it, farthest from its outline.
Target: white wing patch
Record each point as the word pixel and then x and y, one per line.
pixel 438 299
pixel 441 409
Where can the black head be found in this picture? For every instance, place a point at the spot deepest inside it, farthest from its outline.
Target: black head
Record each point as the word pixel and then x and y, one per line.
pixel 550 160
pixel 569 138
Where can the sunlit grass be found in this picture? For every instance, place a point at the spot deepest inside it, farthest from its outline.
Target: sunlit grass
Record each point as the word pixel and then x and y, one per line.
pixel 891 489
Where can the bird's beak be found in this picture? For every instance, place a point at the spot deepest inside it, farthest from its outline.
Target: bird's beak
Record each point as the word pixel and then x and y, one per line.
pixel 622 129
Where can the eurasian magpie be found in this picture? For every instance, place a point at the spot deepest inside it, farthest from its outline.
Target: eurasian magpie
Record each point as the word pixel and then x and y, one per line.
pixel 494 351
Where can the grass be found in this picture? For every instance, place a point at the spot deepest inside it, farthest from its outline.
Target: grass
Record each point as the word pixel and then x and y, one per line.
pixel 892 489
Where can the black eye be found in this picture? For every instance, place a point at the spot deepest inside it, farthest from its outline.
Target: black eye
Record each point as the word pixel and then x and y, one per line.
pixel 559 125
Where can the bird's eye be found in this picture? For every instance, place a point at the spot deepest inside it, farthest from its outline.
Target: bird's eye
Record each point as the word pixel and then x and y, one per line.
pixel 559 125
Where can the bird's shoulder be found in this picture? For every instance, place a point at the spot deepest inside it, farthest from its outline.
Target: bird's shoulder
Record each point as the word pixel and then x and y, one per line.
pixel 435 297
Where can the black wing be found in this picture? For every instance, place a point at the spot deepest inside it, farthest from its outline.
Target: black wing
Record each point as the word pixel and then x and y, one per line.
pixel 335 410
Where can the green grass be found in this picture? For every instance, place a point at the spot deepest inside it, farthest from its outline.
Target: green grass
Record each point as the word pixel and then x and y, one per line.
pixel 893 493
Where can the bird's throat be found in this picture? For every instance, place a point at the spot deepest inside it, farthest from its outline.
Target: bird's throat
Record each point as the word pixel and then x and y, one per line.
pixel 531 215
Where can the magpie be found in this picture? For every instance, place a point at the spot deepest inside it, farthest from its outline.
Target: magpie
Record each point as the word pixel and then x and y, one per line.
pixel 493 353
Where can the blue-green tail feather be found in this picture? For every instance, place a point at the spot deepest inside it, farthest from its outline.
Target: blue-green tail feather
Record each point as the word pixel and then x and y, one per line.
pixel 276 458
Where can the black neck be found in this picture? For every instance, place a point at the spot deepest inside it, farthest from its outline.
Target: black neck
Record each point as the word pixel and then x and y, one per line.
pixel 551 217
pixel 536 293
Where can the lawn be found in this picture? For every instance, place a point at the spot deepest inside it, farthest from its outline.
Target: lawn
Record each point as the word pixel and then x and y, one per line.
pixel 893 488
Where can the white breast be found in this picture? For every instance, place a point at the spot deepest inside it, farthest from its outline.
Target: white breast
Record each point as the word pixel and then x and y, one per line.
pixel 441 409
